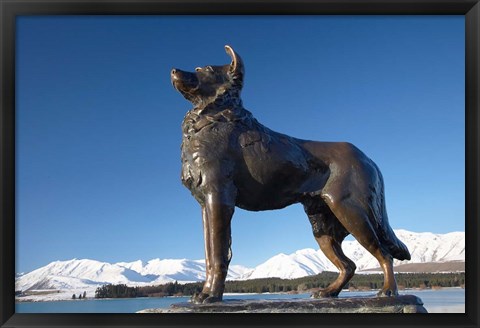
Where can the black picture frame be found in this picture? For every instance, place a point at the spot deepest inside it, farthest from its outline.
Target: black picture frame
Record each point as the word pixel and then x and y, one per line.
pixel 9 9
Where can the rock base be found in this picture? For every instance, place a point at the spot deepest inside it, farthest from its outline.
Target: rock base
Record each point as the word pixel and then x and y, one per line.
pixel 399 304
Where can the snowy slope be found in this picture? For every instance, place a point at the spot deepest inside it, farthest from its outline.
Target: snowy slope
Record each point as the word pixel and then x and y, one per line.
pixel 429 247
pixel 424 247
pixel 78 274
pixel 169 270
pixel 302 263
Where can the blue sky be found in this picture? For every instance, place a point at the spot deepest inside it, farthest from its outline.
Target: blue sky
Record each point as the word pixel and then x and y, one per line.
pixel 98 125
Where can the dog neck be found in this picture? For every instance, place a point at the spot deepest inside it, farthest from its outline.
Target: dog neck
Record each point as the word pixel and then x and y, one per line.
pixel 224 99
pixel 200 117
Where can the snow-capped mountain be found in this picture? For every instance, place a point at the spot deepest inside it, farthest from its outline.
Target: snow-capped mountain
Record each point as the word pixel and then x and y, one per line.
pixel 88 274
pixel 77 274
pixel 424 247
pixel 430 247
pixel 305 262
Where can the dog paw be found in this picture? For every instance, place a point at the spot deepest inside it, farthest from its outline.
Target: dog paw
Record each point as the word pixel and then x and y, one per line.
pixel 325 293
pixel 204 298
pixel 387 292
pixel 212 299
pixel 199 298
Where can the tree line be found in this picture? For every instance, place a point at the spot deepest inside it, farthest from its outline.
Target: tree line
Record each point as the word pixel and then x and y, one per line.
pixel 277 285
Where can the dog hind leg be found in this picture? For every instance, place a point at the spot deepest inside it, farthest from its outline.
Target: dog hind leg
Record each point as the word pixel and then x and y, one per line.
pixel 354 218
pixel 332 249
pixel 329 234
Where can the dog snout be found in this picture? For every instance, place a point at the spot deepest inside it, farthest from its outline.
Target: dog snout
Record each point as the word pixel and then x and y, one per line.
pixel 173 73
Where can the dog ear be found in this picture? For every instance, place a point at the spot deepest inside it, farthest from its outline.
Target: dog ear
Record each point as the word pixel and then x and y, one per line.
pixel 237 69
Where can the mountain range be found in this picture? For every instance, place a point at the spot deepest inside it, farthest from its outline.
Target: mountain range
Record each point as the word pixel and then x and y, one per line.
pixel 77 274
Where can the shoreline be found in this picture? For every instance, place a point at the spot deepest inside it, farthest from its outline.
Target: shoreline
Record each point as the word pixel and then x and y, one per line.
pixel 447 300
pixel 63 295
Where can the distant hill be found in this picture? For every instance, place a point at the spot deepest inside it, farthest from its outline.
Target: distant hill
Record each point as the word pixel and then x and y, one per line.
pixel 430 253
pixel 424 247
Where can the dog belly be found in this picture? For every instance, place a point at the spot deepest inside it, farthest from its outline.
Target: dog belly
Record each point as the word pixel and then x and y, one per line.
pixel 275 189
pixel 259 201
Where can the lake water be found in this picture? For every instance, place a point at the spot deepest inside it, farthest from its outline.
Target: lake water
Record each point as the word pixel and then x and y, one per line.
pixel 446 300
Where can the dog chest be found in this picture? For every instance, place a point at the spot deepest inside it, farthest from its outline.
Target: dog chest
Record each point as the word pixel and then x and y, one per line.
pixel 203 152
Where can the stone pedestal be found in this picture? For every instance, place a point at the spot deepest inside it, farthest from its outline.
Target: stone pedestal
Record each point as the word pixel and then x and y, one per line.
pixel 399 304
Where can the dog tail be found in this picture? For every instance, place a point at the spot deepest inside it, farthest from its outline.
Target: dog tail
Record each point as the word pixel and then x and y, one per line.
pixel 394 246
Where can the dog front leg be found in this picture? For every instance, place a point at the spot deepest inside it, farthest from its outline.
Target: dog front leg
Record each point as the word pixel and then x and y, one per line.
pixel 199 298
pixel 219 214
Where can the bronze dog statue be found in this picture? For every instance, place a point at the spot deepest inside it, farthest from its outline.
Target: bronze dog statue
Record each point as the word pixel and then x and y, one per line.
pixel 229 159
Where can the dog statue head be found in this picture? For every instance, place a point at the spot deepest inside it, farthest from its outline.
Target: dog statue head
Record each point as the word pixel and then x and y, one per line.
pixel 209 84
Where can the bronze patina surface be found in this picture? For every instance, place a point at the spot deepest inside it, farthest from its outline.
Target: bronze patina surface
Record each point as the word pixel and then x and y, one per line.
pixel 229 159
